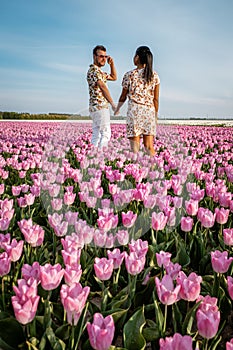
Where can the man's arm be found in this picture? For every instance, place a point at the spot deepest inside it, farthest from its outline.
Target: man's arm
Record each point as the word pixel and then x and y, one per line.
pixel 103 87
pixel 121 101
pixel 113 72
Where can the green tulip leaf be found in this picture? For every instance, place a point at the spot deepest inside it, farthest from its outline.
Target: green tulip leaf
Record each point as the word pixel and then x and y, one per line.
pixel 188 322
pixel 11 333
pixel 56 343
pixel 132 332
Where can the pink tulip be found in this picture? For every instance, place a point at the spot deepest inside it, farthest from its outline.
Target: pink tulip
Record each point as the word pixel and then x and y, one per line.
pixel 230 286
pixel 56 203
pixel 101 332
pixel 29 198
pixel 228 236
pixel 163 258
pixel 16 190
pixel 26 300
pixel 122 237
pixel 33 234
pixel 173 269
pixel 206 217
pixel 4 224
pixel 208 317
pixel 222 215
pixel 139 246
pixel 134 264
pixel 72 274
pixel 5 264
pixel 220 262
pixel 116 256
pixel 69 198
pixel 103 268
pixel 73 299
pixel 15 249
pixel 177 342
pixel 191 207
pixel 51 276
pixel 186 223
pixel 2 188
pixel 158 221
pixel 128 219
pixel 190 286
pixel 33 271
pixel 71 257
pixel 167 293
pixel 229 345
pixel 71 217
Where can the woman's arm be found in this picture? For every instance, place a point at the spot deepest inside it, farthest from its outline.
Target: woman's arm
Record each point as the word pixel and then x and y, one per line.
pixel 121 101
pixel 156 101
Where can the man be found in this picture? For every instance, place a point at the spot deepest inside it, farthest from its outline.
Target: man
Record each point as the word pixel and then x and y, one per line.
pixel 100 97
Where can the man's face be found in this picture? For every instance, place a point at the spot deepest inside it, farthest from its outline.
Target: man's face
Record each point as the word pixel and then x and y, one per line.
pixel 100 58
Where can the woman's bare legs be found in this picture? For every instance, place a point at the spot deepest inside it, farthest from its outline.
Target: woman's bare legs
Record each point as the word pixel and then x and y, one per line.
pixel 134 143
pixel 148 143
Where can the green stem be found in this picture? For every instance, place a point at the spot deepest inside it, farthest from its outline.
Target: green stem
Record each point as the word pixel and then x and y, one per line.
pixel 3 295
pixel 165 319
pixel 104 297
pixel 72 336
pixel 115 279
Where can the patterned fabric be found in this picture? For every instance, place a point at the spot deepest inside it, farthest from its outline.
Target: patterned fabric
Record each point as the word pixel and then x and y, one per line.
pixel 96 101
pixel 141 112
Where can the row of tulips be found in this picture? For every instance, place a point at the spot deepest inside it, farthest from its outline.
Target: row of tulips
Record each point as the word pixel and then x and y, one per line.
pixel 106 249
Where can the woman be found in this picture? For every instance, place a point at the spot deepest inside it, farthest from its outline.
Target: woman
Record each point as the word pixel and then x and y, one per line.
pixel 141 86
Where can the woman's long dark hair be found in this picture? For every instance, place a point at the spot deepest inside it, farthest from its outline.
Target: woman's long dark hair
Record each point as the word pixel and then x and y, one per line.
pixel 146 57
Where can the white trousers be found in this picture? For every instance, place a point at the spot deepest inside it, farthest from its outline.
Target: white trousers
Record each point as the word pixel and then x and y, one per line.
pixel 101 131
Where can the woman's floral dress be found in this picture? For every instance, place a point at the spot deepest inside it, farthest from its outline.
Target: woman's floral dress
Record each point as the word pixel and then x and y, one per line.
pixel 141 112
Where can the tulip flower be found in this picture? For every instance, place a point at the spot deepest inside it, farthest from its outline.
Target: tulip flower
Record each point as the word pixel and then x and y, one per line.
pixel 191 207
pixel 230 286
pixel 101 332
pixel 228 236
pixel 177 342
pixel 15 249
pixel 220 262
pixel 5 264
pixel 229 345
pixel 138 246
pixel 33 271
pixel 51 276
pixel 134 264
pixel 208 317
pixel 158 221
pixel 116 256
pixel 128 219
pixel 173 269
pixel 122 237
pixel 73 299
pixel 25 301
pixel 186 224
pixel 206 217
pixel 222 215
pixel 103 268
pixel 167 293
pixel 163 258
pixel 72 274
pixel 190 286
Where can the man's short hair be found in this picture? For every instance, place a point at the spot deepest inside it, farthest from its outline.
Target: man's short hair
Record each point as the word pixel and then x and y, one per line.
pixel 98 47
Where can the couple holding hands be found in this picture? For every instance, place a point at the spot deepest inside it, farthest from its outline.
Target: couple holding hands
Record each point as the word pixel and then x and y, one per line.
pixel 140 86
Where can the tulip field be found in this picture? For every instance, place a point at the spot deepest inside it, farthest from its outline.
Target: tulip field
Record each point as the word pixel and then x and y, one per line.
pixel 106 249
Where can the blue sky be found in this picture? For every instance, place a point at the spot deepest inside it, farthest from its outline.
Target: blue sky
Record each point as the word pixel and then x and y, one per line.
pixel 46 48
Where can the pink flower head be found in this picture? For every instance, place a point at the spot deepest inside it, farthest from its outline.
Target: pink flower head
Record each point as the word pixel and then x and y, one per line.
pixel 103 268
pixel 222 215
pixel 73 299
pixel 163 258
pixel 72 274
pixel 230 286
pixel 158 221
pixel 190 286
pixel 5 264
pixel 33 271
pixel 51 276
pixel 26 300
pixel 101 332
pixel 228 236
pixel 220 262
pixel 177 342
pixel 208 317
pixel 122 237
pixel 15 249
pixel 116 256
pixel 134 264
pixel 129 218
pixel 139 246
pixel 229 345
pixel 186 223
pixel 167 293
pixel 173 269
pixel 191 207
pixel 206 217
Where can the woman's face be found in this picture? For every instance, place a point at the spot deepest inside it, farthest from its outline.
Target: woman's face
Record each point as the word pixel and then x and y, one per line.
pixel 136 60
